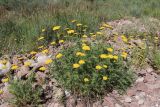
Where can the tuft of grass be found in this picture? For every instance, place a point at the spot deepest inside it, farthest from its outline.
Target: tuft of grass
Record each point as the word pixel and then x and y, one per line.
pixel 24 93
pixel 23 19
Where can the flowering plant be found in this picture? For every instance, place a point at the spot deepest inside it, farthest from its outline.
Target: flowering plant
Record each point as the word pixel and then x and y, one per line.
pixel 91 69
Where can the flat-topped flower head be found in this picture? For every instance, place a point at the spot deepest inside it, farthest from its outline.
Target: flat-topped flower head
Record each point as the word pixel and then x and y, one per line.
pixel 76 65
pixel 73 21
pixel 42 68
pixel 1 91
pixel 99 33
pixel 14 67
pixel 45 51
pixel 59 55
pixel 124 54
pixel 80 54
pixel 81 62
pixel 105 78
pixel 115 57
pixel 40 38
pixel 40 47
pixel 53 43
pixel 86 80
pixel 109 49
pixel 79 24
pixel 48 61
pixel 27 63
pixel 98 67
pixel 84 36
pixel 5 80
pixel 103 56
pixel 56 28
pixel 43 30
pixel 33 52
pixel 86 48
pixel 101 28
pixel 105 66
pixel 70 31
pixel 124 38
pixel 61 41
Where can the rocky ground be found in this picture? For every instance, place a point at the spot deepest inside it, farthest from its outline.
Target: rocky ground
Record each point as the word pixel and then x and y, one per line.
pixel 145 92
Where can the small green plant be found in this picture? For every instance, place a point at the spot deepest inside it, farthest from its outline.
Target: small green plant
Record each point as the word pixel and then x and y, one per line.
pixel 91 70
pixel 24 93
pixel 156 59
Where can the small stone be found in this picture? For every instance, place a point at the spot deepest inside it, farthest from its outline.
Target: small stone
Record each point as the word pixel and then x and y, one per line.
pixel 97 104
pixel 71 102
pixel 149 78
pixel 142 87
pixel 108 101
pixel 140 79
pixel 131 92
pixel 117 105
pixel 81 104
pixel 128 100
pixel 55 105
pixel 141 101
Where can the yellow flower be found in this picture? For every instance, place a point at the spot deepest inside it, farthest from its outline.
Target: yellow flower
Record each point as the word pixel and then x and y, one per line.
pixel 5 80
pixel 86 48
pixel 48 61
pixel 61 41
pixel 27 63
pixel 115 57
pixel 79 24
pixel 14 67
pixel 98 67
pixel 124 54
pixel 40 47
pixel 101 28
pixel 105 78
pixel 124 38
pixel 70 31
pixel 110 56
pixel 109 49
pixel 43 30
pixel 53 43
pixel 76 65
pixel 33 53
pixel 84 36
pixel 105 66
pixel 83 40
pixel 80 54
pixel 4 61
pixel 40 38
pixel 107 26
pixel 59 55
pixel 42 68
pixel 81 62
pixel 73 21
pixel 56 28
pixel 99 33
pixel 86 80
pixel 1 91
pixel 45 51
pixel 91 33
pixel 103 56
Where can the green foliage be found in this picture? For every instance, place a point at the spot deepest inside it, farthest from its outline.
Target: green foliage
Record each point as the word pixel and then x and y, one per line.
pixel 156 59
pixel 24 93
pixel 26 17
pixel 95 75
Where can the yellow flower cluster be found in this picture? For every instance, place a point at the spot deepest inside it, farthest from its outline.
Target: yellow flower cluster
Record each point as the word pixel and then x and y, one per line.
pixel 59 55
pixel 80 54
